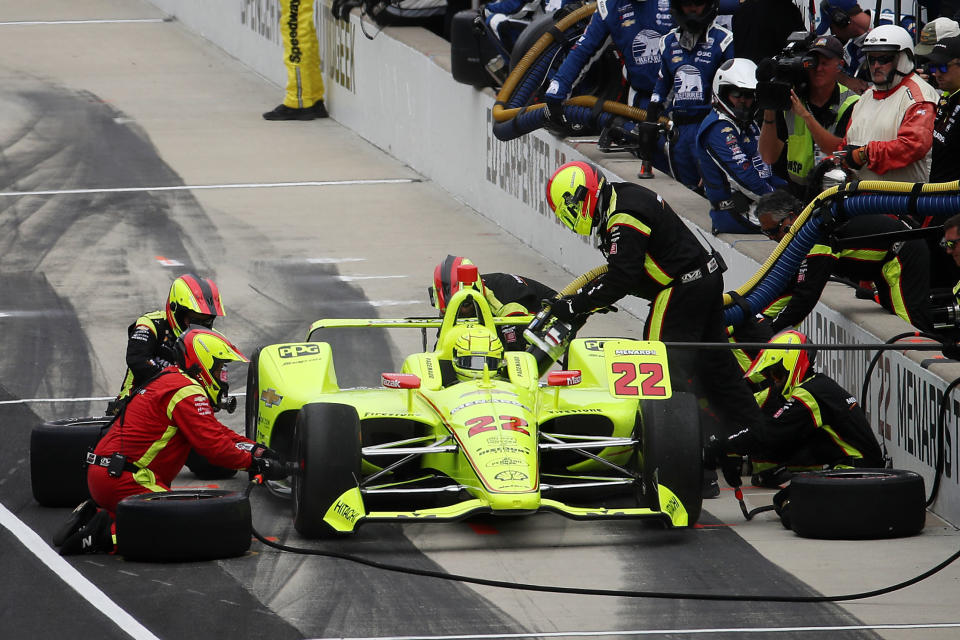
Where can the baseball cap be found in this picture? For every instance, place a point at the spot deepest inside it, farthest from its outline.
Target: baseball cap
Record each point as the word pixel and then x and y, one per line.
pixel 827 7
pixel 935 31
pixel 945 50
pixel 828 46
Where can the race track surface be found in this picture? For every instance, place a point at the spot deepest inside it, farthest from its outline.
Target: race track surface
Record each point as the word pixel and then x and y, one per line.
pixel 108 130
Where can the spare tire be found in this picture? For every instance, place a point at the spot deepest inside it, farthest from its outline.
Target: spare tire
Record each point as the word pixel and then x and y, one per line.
pixel 184 525
pixel 856 504
pixel 58 475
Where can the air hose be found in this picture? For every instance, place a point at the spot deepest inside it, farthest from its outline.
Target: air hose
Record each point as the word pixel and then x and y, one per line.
pixel 618 593
pixel 514 116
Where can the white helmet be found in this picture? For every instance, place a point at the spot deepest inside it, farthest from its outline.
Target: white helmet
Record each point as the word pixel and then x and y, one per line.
pixel 738 73
pixel 893 39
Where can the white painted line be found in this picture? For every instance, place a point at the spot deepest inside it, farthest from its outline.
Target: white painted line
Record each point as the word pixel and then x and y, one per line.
pixel 194 187
pixel 115 21
pixel 352 278
pixel 333 260
pixel 655 632
pixel 238 394
pixel 89 591
pixel 392 303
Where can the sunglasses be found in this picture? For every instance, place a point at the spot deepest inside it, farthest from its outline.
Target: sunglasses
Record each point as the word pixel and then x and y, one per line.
pixel 948 245
pixel 884 59
pixel 940 68
pixel 774 231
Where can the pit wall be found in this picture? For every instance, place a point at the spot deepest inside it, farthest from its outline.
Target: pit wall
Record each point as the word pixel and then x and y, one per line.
pixel 396 91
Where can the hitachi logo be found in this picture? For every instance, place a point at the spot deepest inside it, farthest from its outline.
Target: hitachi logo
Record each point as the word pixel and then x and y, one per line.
pixel 346 512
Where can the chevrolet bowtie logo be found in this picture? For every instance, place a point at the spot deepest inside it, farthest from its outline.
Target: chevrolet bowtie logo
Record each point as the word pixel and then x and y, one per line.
pixel 270 397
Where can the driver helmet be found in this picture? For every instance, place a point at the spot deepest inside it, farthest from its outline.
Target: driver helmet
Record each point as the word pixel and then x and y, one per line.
pixel 445 281
pixel 203 354
pixel 793 364
pixel 573 192
pixel 694 23
pixel 193 300
pixel 893 39
pixel 475 349
pixel 738 74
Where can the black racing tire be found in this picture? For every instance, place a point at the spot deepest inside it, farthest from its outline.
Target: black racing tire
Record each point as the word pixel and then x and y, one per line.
pixel 251 405
pixel 58 475
pixel 857 504
pixel 203 469
pixel 327 450
pixel 673 449
pixel 184 525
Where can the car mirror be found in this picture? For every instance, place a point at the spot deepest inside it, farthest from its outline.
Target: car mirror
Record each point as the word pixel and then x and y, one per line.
pixel 564 378
pixel 400 380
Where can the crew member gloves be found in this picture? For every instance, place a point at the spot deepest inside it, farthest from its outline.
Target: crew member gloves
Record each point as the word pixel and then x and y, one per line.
pixel 856 157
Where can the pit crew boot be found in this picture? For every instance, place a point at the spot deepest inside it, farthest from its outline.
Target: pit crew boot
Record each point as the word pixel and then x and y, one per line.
pixel 283 112
pixel 95 537
pixel 77 519
pixel 710 487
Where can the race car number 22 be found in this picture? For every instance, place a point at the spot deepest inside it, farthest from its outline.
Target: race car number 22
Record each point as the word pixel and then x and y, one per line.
pixel 489 423
pixel 650 385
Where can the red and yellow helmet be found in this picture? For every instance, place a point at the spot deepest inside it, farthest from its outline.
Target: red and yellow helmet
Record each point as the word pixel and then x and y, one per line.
pixel 193 300
pixel 796 363
pixel 572 193
pixel 203 353
pixel 446 281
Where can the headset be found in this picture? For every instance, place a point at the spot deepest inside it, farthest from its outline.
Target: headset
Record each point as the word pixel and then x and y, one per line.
pixel 837 16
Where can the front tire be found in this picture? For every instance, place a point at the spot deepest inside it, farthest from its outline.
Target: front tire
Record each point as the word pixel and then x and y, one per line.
pixel 673 450
pixel 327 444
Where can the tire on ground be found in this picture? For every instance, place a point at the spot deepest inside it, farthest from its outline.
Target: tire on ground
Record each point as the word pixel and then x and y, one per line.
pixel 857 504
pixel 203 469
pixel 58 476
pixel 184 525
pixel 327 443
pixel 673 449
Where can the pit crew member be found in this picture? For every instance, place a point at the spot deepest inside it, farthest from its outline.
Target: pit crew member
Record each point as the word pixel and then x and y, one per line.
pixel 147 444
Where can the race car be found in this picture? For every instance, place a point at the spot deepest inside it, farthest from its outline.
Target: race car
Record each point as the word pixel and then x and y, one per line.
pixel 604 437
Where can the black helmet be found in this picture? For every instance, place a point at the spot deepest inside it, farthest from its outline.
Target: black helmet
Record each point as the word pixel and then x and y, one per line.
pixel 694 23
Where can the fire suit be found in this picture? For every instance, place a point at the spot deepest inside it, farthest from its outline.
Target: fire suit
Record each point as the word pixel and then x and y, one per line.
pixel 900 270
pixel 652 254
pixel 511 295
pixel 149 351
pixel 301 54
pixel 733 173
pixel 687 75
pixel 819 424
pixel 896 126
pixel 156 431
pixel 635 28
pixel 945 164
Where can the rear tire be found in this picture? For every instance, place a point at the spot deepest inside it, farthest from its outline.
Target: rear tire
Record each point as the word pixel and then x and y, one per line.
pixel 856 504
pixel 183 525
pixel 327 443
pixel 673 449
pixel 251 405
pixel 58 476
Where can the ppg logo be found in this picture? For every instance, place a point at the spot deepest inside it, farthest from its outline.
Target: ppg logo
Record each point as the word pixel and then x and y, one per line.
pixel 297 350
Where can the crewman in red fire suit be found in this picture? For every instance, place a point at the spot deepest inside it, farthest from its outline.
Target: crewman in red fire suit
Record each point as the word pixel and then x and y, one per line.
pixel 148 442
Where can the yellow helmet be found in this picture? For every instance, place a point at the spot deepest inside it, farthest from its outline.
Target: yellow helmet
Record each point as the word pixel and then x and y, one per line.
pixel 572 192
pixel 476 348
pixel 193 300
pixel 795 363
pixel 203 353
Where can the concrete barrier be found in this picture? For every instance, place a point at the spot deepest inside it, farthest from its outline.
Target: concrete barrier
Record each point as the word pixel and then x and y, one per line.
pixel 402 75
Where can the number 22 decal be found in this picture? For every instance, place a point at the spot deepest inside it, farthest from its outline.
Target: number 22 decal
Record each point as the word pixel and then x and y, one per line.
pixel 487 423
pixel 652 373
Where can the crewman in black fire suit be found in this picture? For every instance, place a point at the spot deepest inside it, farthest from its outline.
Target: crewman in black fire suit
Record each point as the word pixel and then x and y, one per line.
pixel 508 295
pixel 813 420
pixel 192 300
pixel 900 270
pixel 652 254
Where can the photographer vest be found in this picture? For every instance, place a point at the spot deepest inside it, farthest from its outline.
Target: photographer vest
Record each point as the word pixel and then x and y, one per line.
pixel 880 119
pixel 802 153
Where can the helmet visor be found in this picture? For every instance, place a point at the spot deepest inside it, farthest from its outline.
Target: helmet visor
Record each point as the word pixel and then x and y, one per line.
pixel 476 362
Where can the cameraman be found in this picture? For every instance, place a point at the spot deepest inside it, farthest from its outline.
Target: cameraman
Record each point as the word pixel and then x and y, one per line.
pixel 816 122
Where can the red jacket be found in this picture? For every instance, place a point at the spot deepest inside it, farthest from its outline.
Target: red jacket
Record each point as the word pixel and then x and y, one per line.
pixel 171 415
